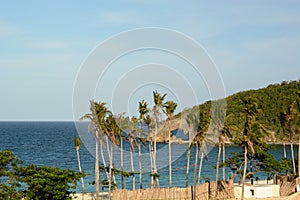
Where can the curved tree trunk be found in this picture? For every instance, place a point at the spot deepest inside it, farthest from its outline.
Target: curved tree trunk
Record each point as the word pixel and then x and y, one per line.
pixel 170 161
pixel 200 168
pixel 187 168
pixel 223 162
pixel 195 170
pixel 122 163
pixel 244 173
pixel 132 169
pixel 217 171
pixel 80 170
pixel 97 167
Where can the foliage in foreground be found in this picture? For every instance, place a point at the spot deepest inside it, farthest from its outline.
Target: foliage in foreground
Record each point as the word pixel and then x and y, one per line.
pixel 8 176
pixel 38 182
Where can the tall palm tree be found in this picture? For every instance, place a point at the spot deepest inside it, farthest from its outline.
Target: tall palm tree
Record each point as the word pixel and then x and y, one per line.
pixel 143 110
pixel 191 121
pixel 77 143
pixel 203 124
pixel 251 138
pixel 170 107
pixel 158 104
pixel 148 121
pixel 286 120
pixel 97 120
pixel 112 131
pixel 122 125
pixel 224 132
pixel 133 143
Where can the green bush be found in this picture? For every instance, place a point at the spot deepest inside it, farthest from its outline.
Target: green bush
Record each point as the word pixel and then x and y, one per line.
pixel 38 182
pixel 8 176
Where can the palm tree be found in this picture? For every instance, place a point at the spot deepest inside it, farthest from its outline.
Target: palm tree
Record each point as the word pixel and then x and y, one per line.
pixel 113 132
pixel 77 143
pixel 203 124
pixel 97 120
pixel 286 120
pixel 158 103
pixel 253 133
pixel 224 132
pixel 148 121
pixel 170 107
pixel 191 121
pixel 121 122
pixel 143 110
pixel 133 143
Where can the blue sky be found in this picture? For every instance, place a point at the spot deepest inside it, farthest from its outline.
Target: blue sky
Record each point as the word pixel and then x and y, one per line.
pixel 44 43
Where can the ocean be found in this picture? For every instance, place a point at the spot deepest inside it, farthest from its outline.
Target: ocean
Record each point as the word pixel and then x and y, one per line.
pixel 51 144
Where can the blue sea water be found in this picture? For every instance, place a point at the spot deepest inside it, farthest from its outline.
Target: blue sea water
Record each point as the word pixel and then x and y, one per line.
pixel 51 144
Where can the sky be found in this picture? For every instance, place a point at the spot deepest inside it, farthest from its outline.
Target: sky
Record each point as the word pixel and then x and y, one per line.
pixel 43 45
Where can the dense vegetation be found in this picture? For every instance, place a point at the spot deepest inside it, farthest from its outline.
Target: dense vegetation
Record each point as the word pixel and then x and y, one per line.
pixel 279 106
pixel 34 182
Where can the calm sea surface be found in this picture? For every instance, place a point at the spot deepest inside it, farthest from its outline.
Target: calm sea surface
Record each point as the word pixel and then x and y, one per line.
pixel 51 144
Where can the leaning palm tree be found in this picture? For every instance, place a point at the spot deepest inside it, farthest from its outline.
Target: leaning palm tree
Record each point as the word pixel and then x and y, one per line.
pixel 170 107
pixel 158 104
pixel 224 133
pixel 199 140
pixel 97 120
pixel 191 122
pixel 77 143
pixel 253 133
pixel 143 110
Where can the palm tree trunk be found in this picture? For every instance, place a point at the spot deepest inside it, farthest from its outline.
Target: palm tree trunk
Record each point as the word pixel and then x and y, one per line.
pixel 195 170
pixel 132 169
pixel 284 150
pixel 299 158
pixel 170 161
pixel 293 158
pixel 217 171
pixel 122 164
pixel 80 170
pixel 140 164
pixel 103 159
pixel 244 173
pixel 187 168
pixel 223 163
pixel 97 167
pixel 154 153
pixel 151 163
pixel 110 162
pixel 200 168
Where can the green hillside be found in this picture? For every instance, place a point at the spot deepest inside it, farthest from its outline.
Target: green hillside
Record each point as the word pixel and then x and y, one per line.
pixel 279 105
